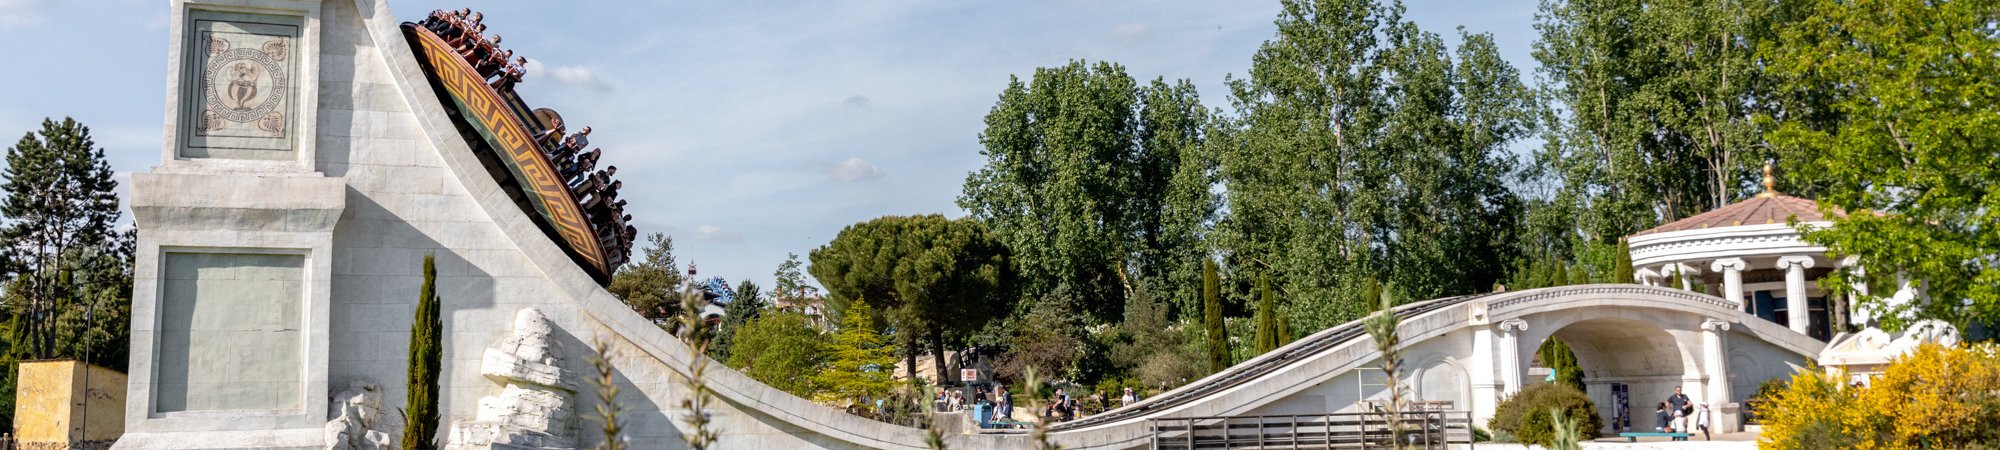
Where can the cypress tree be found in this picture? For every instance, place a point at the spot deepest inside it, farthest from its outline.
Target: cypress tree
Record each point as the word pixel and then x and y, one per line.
pixel 1211 308
pixel 426 354
pixel 1623 273
pixel 1267 320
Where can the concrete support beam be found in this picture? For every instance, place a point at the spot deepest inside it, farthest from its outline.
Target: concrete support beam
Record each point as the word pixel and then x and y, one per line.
pixel 1798 312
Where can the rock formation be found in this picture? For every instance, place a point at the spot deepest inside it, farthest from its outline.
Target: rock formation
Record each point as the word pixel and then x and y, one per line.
pixel 533 409
pixel 357 412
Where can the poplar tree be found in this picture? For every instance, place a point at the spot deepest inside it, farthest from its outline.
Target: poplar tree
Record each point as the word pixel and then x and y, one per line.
pixel 420 414
pixel 1094 179
pixel 1369 147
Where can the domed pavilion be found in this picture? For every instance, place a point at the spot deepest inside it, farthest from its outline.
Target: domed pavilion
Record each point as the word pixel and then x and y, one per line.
pixel 1750 253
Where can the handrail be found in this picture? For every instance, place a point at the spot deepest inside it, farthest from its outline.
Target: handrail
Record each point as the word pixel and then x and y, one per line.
pixel 1427 429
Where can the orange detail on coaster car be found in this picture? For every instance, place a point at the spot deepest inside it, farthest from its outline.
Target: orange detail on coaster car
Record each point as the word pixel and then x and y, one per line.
pixel 507 135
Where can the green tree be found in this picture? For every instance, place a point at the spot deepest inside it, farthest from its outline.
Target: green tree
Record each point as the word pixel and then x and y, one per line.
pixel 1089 174
pixel 1650 106
pixel 1367 146
pixel 1153 347
pixel 780 349
pixel 651 286
pixel 65 270
pixel 1893 118
pixel 1557 356
pixel 931 277
pixel 64 259
pixel 748 304
pixel 858 361
pixel 1211 311
pixel 1267 317
pixel 420 413
pixel 791 280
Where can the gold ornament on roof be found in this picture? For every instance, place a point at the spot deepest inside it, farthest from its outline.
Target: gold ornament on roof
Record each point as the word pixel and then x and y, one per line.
pixel 1770 182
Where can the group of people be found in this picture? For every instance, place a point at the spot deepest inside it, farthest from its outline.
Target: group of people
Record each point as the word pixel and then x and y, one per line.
pixel 1679 415
pixel 595 191
pixel 462 30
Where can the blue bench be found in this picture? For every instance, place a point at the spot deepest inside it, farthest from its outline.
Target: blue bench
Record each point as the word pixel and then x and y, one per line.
pixel 1634 436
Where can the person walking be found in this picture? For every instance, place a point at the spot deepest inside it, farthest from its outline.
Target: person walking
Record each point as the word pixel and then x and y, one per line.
pixel 1128 399
pixel 1701 420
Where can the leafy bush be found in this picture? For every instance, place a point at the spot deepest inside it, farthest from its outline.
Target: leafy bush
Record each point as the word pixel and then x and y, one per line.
pixel 1526 414
pixel 1935 397
pixel 781 349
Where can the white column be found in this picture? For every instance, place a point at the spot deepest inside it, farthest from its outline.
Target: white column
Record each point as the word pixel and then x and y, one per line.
pixel 1485 385
pixel 1798 312
pixel 1646 277
pixel 1510 354
pixel 1715 356
pixel 1732 279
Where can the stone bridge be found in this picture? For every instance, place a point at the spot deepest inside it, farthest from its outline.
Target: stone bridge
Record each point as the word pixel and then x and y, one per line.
pixel 269 290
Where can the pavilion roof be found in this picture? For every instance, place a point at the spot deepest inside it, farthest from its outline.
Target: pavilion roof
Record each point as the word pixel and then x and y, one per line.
pixel 1766 208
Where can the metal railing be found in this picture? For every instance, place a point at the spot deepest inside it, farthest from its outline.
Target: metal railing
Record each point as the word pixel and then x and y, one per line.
pixel 1422 429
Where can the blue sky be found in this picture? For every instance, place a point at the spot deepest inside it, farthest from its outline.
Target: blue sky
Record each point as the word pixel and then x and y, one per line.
pixel 744 129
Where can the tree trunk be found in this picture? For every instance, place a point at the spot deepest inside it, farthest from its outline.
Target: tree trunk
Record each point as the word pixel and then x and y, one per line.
pixel 910 354
pixel 937 357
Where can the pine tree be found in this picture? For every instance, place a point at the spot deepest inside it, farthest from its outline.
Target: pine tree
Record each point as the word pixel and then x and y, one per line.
pixel 64 268
pixel 748 304
pixel 426 357
pixel 1267 320
pixel 860 359
pixel 650 285
pixel 1211 308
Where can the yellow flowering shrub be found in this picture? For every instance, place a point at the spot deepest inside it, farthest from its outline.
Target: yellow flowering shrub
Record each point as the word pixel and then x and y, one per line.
pixel 1934 397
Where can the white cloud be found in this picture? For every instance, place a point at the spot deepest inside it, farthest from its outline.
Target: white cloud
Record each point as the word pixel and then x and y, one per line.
pixel 567 75
pixel 1130 32
pixel 713 233
pixel 853 169
pixel 18 12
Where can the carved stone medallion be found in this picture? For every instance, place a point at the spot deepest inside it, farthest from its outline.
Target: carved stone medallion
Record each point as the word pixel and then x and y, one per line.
pixel 246 85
